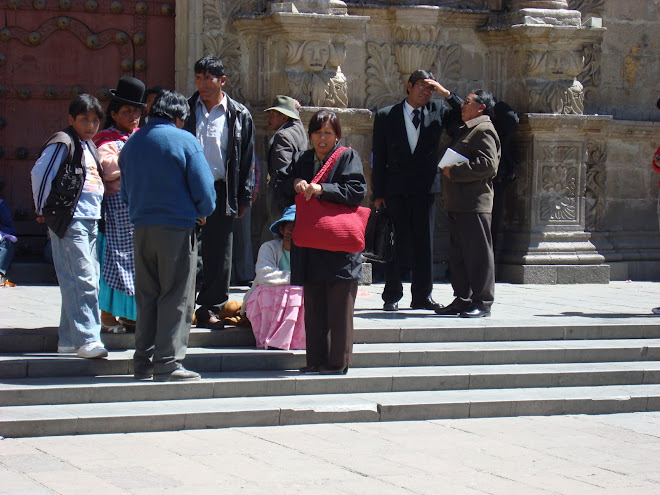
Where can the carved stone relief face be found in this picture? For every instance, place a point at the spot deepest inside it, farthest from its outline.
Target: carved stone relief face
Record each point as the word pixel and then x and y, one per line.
pixel 560 63
pixel 315 56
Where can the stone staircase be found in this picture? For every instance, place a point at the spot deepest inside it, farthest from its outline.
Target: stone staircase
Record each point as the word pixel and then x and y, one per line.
pixel 398 374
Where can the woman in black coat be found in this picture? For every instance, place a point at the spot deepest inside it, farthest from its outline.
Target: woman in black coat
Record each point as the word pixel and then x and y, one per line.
pixel 329 278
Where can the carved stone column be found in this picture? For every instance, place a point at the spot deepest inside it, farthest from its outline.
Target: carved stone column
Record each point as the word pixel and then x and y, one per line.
pixel 188 48
pixel 205 27
pixel 539 60
pixel 415 40
pixel 547 242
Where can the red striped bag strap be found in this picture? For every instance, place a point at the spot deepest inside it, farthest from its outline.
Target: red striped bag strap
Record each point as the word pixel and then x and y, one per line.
pixel 322 174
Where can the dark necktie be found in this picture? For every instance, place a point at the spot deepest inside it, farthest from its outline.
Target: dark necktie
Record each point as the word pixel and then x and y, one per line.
pixel 416 119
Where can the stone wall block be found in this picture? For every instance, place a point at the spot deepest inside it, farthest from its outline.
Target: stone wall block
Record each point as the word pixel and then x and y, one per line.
pixel 629 11
pixel 629 215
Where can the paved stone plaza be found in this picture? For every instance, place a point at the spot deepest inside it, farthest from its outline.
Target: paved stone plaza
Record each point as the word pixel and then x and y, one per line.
pixel 575 454
pixel 610 454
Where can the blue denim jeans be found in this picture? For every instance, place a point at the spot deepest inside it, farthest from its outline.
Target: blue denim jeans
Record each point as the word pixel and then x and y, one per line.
pixel 7 249
pixel 77 268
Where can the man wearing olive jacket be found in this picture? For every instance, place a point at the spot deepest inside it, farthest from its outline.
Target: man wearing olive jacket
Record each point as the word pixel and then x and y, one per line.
pixel 468 197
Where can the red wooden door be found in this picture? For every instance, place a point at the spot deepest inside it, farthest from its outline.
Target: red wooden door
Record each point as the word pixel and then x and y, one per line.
pixel 52 50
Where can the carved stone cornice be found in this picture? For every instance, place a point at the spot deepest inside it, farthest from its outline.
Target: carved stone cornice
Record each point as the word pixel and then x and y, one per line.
pixel 538 4
pixel 333 7
pixel 542 35
pixel 543 17
pixel 353 120
pixel 563 124
pixel 411 14
pixel 623 129
pixel 311 25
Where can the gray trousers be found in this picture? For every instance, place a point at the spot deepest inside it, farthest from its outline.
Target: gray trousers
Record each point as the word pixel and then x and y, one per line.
pixel 165 261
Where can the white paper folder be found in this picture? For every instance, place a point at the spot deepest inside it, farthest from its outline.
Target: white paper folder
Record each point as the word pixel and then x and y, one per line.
pixel 451 157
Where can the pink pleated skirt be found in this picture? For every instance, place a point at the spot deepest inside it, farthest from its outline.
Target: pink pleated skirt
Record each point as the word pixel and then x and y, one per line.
pixel 277 315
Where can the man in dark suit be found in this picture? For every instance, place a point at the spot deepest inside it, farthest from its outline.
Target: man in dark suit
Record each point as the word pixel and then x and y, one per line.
pixel 290 138
pixel 406 152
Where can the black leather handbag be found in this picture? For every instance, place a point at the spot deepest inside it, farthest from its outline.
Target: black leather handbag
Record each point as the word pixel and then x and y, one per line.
pixel 379 237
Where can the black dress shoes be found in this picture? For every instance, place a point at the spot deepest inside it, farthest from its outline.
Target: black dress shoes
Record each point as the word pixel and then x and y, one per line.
pixel 334 371
pixel 393 306
pixel 456 307
pixel 208 319
pixel 146 374
pixel 476 312
pixel 428 303
pixel 310 369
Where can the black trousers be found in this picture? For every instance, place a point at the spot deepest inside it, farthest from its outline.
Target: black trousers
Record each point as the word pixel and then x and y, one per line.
pixel 471 261
pixel 413 218
pixel 217 240
pixel 329 323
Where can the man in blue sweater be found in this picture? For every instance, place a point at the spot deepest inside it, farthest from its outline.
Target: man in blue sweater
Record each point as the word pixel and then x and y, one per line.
pixel 167 184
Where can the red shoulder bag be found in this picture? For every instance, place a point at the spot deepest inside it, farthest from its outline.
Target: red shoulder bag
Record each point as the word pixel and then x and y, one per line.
pixel 327 225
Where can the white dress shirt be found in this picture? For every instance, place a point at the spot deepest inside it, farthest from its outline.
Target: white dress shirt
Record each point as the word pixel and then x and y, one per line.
pixel 213 134
pixel 413 133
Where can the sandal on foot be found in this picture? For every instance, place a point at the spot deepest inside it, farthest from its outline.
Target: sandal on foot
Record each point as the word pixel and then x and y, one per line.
pixel 113 328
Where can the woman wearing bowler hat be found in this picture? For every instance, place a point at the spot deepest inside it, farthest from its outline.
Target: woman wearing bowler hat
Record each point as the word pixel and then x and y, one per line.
pixel 117 287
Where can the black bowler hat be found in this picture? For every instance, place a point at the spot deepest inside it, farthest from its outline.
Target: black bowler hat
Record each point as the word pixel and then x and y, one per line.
pixel 130 91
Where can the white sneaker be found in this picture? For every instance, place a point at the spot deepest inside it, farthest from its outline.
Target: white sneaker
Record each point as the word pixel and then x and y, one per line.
pixel 93 350
pixel 656 311
pixel 62 349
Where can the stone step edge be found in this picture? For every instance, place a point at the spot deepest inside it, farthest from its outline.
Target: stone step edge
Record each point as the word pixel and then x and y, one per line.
pixel 76 419
pixel 123 388
pixel 364 355
pixel 474 332
pixel 380 347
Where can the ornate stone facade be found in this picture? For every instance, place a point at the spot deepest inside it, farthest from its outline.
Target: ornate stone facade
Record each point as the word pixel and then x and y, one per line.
pixel 547 58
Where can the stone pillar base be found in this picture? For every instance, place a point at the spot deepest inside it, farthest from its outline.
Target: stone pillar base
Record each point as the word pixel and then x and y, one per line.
pixel 367 274
pixel 636 270
pixel 553 274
